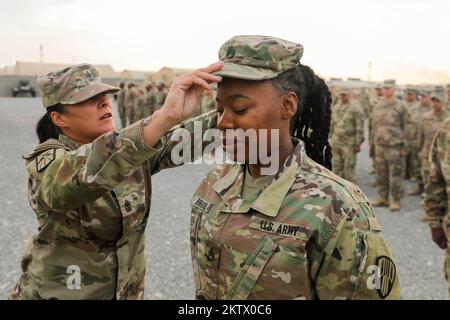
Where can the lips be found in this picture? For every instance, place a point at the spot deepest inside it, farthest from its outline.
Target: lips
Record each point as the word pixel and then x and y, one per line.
pixel 106 116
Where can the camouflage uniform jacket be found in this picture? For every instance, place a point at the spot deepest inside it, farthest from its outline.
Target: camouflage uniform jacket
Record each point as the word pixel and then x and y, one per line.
pixel 427 130
pixel 417 112
pixel 308 235
pixel 347 125
pixel 131 97
pixel 121 97
pixel 437 193
pixel 391 123
pixel 92 204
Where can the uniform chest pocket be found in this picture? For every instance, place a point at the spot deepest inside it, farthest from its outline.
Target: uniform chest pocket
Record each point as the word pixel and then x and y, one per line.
pixel 271 272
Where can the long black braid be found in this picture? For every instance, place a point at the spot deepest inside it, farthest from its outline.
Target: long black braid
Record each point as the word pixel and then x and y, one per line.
pixel 311 123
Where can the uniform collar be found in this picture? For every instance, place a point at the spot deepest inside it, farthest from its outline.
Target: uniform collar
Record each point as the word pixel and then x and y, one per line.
pixel 68 142
pixel 269 201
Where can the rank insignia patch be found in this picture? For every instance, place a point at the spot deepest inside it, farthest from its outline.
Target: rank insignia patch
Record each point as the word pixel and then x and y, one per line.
pixel 387 275
pixel 44 159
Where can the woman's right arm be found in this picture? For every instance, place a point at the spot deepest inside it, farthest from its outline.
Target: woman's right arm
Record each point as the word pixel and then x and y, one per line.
pixel 71 179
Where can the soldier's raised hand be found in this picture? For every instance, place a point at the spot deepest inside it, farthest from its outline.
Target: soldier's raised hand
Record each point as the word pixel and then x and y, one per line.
pixel 183 98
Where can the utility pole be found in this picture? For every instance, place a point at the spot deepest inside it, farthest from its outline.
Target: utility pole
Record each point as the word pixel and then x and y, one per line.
pixel 369 71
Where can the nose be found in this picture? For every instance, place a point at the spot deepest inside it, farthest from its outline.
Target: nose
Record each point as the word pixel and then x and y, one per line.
pixel 225 121
pixel 104 102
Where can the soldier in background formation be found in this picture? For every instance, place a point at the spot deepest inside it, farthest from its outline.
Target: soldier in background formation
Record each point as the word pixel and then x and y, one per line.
pixel 347 134
pixel 130 102
pixel 430 124
pixel 410 98
pixel 391 124
pixel 437 189
pixel 373 100
pixel 139 101
pixel 120 98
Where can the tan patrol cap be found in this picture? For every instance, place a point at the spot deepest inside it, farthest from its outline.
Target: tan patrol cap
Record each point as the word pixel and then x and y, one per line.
pixel 389 83
pixel 72 85
pixel 438 95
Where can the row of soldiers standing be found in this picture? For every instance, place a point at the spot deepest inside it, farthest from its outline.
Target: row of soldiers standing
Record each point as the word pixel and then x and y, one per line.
pixel 400 135
pixel 135 102
pixel 409 138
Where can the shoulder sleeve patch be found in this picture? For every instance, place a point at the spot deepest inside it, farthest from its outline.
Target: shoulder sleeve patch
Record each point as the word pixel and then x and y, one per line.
pixel 44 159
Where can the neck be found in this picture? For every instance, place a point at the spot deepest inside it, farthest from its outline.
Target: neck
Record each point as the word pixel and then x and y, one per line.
pixel 77 139
pixel 390 98
pixel 285 150
pixel 437 111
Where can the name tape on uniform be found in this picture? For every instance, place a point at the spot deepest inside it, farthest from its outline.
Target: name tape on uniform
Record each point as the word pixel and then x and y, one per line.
pixel 279 228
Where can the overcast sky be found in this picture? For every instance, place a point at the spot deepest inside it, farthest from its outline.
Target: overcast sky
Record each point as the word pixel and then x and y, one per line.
pixel 406 39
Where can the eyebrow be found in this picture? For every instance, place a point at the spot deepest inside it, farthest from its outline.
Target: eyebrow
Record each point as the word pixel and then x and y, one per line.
pixel 234 97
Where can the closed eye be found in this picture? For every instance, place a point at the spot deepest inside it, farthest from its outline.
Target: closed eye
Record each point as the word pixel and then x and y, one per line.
pixel 241 111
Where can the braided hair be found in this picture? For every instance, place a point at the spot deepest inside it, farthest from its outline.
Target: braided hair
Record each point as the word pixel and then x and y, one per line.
pixel 311 123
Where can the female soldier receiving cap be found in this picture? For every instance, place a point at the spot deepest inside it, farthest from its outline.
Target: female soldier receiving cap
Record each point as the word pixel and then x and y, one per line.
pixel 89 185
pixel 302 233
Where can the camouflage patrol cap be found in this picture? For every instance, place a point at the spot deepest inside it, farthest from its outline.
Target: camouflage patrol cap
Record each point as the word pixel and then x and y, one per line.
pixel 438 95
pixel 411 89
pixel 72 85
pixel 389 83
pixel 424 92
pixel 439 88
pixel 344 90
pixel 252 57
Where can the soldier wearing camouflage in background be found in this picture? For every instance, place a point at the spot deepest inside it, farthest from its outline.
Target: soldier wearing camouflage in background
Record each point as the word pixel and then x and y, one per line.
pixel 130 101
pixel 430 124
pixel 90 186
pixel 347 134
pixel 299 233
pixel 121 105
pixel 392 124
pixel 410 99
pixel 139 111
pixel 160 94
pixel 149 100
pixel 417 112
pixel 208 102
pixel 437 193
pixel 373 100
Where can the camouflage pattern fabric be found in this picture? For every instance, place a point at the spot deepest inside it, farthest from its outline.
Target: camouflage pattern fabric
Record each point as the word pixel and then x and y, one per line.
pixel 253 57
pixel 392 126
pixel 92 203
pixel 149 103
pixel 437 197
pixel 347 132
pixel 131 97
pixel 72 85
pixel 430 125
pixel 417 112
pixel 309 234
pixel 121 108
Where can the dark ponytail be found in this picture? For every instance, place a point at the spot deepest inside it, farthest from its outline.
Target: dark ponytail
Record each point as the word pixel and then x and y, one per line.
pixel 45 128
pixel 311 123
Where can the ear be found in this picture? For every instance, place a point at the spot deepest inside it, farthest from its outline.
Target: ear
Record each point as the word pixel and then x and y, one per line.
pixel 59 119
pixel 289 105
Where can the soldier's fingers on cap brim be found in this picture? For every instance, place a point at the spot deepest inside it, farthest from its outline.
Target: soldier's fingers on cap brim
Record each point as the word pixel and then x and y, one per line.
pixel 207 76
pixel 216 66
pixel 187 81
pixel 200 82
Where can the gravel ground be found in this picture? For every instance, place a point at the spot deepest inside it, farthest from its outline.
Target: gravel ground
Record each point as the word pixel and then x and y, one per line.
pixel 169 274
